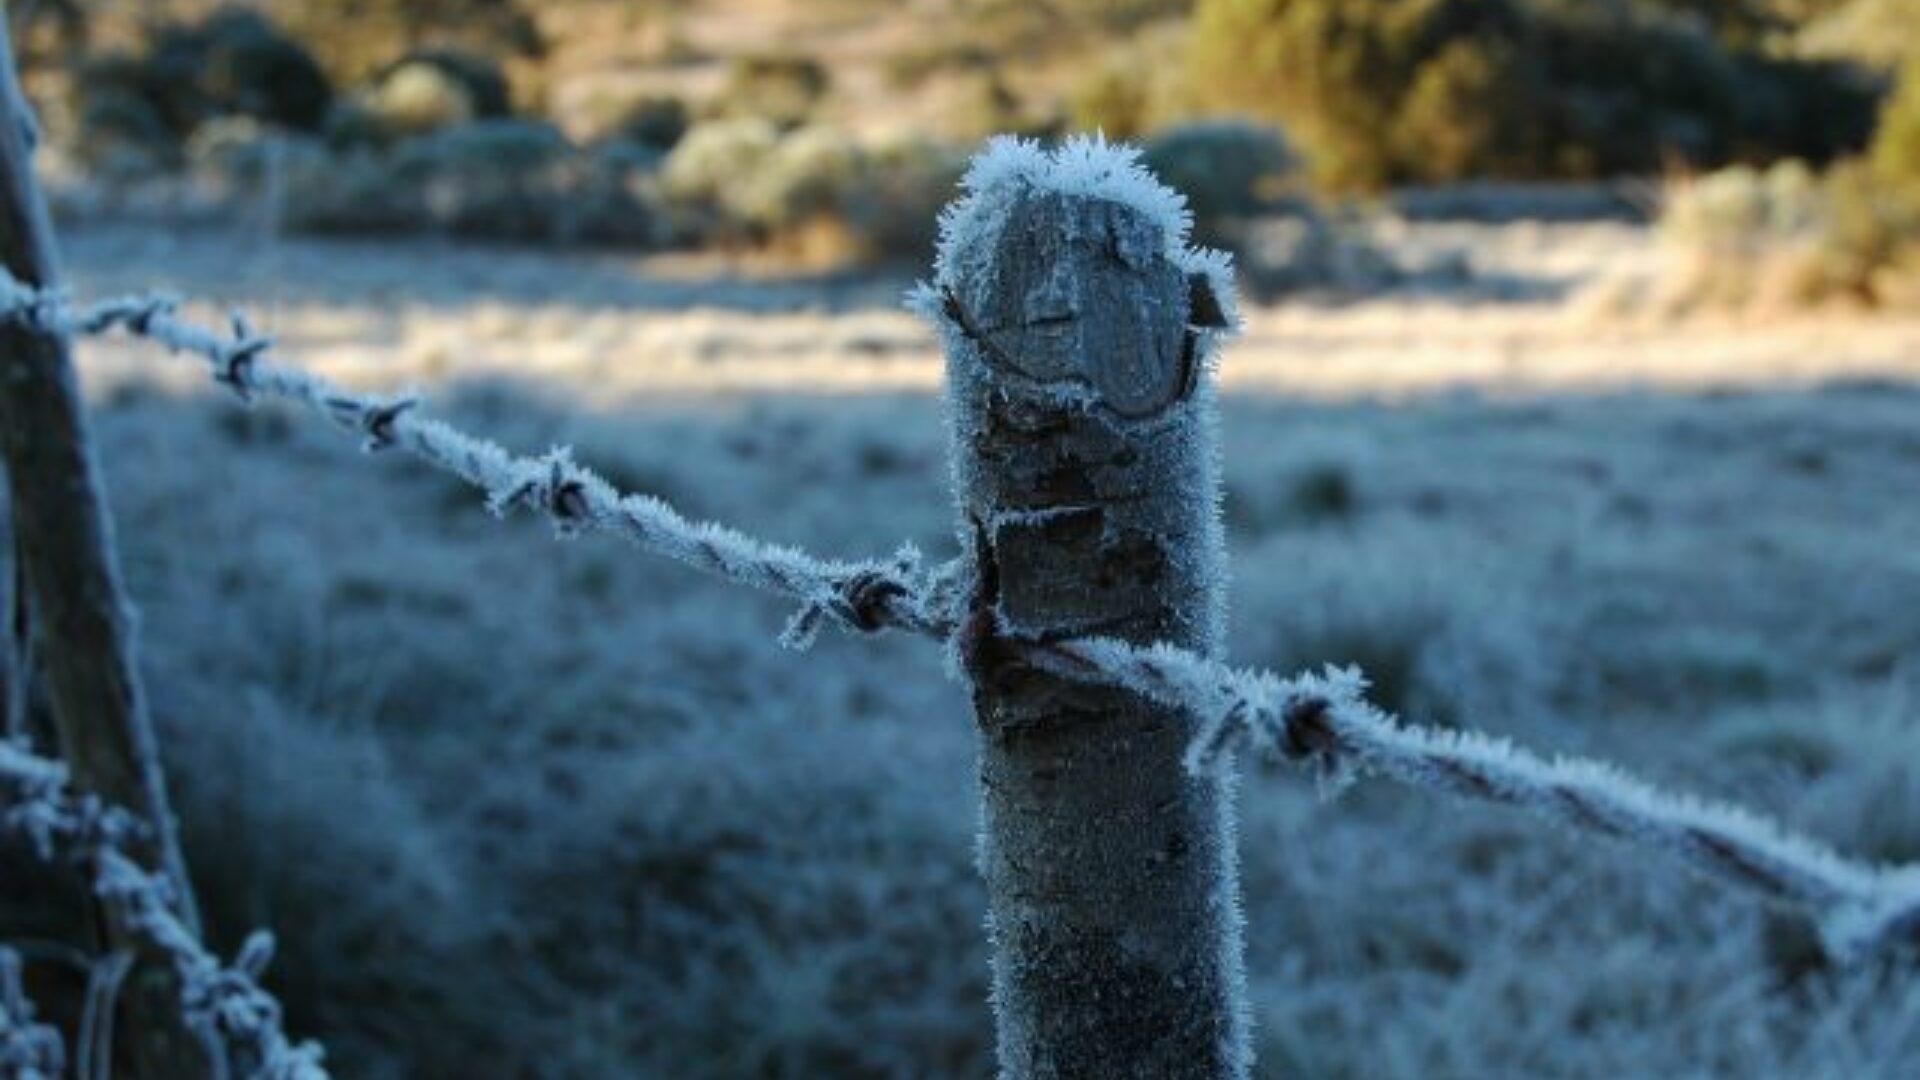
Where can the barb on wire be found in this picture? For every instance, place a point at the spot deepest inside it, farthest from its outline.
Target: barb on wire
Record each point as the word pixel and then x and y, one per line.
pixel 1321 720
pixel 29 1049
pixel 224 1002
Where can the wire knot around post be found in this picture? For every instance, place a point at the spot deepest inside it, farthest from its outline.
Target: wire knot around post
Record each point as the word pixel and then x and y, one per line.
pixel 865 598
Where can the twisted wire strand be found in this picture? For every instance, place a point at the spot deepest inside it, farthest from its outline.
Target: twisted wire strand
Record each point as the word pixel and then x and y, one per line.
pixel 1322 720
pixel 865 595
pixel 29 1049
pixel 223 1001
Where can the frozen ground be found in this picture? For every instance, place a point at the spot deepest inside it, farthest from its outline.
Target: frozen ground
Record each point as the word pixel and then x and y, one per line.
pixel 528 808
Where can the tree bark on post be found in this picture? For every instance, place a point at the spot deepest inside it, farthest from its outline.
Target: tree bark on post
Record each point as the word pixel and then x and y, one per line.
pixel 1077 327
pixel 72 580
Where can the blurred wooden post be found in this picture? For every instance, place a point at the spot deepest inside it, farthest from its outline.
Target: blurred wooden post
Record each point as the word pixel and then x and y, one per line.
pixel 1085 465
pixel 15 634
pixel 72 580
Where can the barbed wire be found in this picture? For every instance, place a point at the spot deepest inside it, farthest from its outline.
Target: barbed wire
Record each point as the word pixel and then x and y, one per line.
pixel 862 595
pixel 29 1049
pixel 223 1002
pixel 1322 720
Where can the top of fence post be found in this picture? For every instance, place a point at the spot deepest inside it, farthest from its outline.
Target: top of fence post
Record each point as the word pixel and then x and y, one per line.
pixel 1078 328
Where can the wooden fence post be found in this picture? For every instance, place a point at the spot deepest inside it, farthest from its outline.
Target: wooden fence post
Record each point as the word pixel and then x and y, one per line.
pixel 1077 325
pixel 15 635
pixel 72 579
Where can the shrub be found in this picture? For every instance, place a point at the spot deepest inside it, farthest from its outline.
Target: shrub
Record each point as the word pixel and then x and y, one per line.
pixel 357 39
pixel 427 91
pixel 1111 100
pixel 1896 144
pixel 985 105
pixel 352 192
pixel 118 126
pixel 496 179
pixel 416 99
pixel 353 124
pixel 815 191
pixel 914 64
pixel 657 121
pixel 783 89
pixel 1309 252
pixel 700 178
pixel 145 105
pixel 511 180
pixel 51 31
pixel 1390 91
pixel 895 210
pixel 1744 23
pixel 1457 114
pixel 1785 235
pixel 236 63
pixel 1877 32
pixel 809 174
pixel 1871 247
pixel 503 147
pixel 1736 207
pixel 234 148
pixel 1223 167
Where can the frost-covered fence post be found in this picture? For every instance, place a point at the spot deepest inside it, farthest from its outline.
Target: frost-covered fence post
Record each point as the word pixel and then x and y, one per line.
pixel 65 545
pixel 1077 326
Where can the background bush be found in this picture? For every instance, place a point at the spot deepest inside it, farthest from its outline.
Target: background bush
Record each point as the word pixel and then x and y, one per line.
pixel 437 88
pixel 1226 169
pixel 657 121
pixel 1388 91
pixel 784 89
pixel 814 191
pixel 1896 146
pixel 234 63
pixel 356 39
pixel 1786 236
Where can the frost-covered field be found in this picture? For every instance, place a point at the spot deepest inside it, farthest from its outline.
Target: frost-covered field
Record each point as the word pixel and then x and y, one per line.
pixel 526 808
